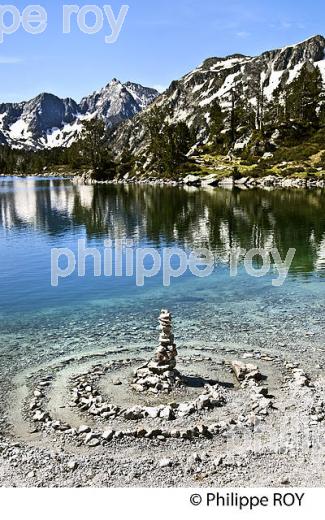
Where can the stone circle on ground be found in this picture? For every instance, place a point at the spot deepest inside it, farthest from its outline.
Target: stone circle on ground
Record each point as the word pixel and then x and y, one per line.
pixel 98 419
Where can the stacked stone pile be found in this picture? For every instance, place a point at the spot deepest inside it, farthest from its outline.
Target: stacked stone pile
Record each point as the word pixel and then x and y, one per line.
pixel 160 374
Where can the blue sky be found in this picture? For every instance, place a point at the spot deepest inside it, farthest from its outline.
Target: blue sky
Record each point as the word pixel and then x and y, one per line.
pixel 160 41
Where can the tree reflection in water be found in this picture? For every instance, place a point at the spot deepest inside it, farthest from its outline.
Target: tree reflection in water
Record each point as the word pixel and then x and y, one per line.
pixel 187 217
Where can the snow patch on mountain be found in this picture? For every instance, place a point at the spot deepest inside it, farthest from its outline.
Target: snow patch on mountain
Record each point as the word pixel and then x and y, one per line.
pixel 19 130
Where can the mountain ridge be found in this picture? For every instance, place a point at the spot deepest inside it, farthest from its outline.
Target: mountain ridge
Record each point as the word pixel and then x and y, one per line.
pixel 48 121
pixel 190 98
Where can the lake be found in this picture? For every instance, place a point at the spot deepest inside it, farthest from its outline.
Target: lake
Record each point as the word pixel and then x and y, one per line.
pixel 38 320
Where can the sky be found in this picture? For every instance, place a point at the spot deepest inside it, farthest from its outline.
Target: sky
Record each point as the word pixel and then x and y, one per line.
pixel 160 40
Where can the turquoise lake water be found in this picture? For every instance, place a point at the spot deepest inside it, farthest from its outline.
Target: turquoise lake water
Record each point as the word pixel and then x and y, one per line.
pixel 38 214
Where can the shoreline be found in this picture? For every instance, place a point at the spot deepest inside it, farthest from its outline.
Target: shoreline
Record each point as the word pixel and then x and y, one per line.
pixel 225 183
pixel 106 347
pixel 192 181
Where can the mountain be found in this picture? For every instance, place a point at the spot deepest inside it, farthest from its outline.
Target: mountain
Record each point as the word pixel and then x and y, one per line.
pixel 48 121
pixel 117 102
pixel 190 99
pixel 245 89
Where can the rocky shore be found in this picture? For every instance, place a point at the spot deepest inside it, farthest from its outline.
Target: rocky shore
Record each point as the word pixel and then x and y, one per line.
pixel 214 181
pixel 266 434
pixel 195 181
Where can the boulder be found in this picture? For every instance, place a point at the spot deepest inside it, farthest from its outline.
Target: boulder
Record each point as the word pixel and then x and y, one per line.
pixel 152 412
pixel 227 182
pixel 192 180
pixel 167 413
pixel 210 180
pixel 165 463
pixel 242 182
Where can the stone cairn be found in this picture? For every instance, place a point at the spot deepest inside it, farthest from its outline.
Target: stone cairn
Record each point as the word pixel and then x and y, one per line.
pixel 160 374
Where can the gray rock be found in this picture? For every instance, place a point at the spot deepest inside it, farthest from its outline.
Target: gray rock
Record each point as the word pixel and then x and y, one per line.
pixel 90 436
pixel 72 465
pixel 153 412
pixel 40 416
pixel 83 429
pixel 165 463
pixel 108 435
pixel 167 413
pixel 244 371
pixel 93 442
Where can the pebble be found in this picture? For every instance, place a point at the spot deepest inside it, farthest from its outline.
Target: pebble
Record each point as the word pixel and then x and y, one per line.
pixel 90 436
pixel 108 435
pixel 165 463
pixel 217 462
pixel 72 465
pixel 83 429
pixel 93 442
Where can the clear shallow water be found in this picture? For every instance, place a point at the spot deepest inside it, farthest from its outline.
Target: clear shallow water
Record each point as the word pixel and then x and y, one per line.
pixel 39 214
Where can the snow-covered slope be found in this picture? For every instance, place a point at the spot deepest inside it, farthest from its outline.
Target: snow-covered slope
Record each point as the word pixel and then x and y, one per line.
pixel 48 121
pixel 190 98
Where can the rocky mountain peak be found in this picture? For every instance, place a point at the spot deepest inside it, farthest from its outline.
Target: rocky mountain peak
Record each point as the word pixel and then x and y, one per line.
pixel 289 57
pixel 118 101
pixel 47 120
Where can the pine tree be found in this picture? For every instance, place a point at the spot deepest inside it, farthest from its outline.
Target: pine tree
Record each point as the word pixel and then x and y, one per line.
pixel 274 110
pixel 95 150
pixel 217 124
pixel 126 163
pixel 258 89
pixel 237 116
pixel 168 142
pixel 303 96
